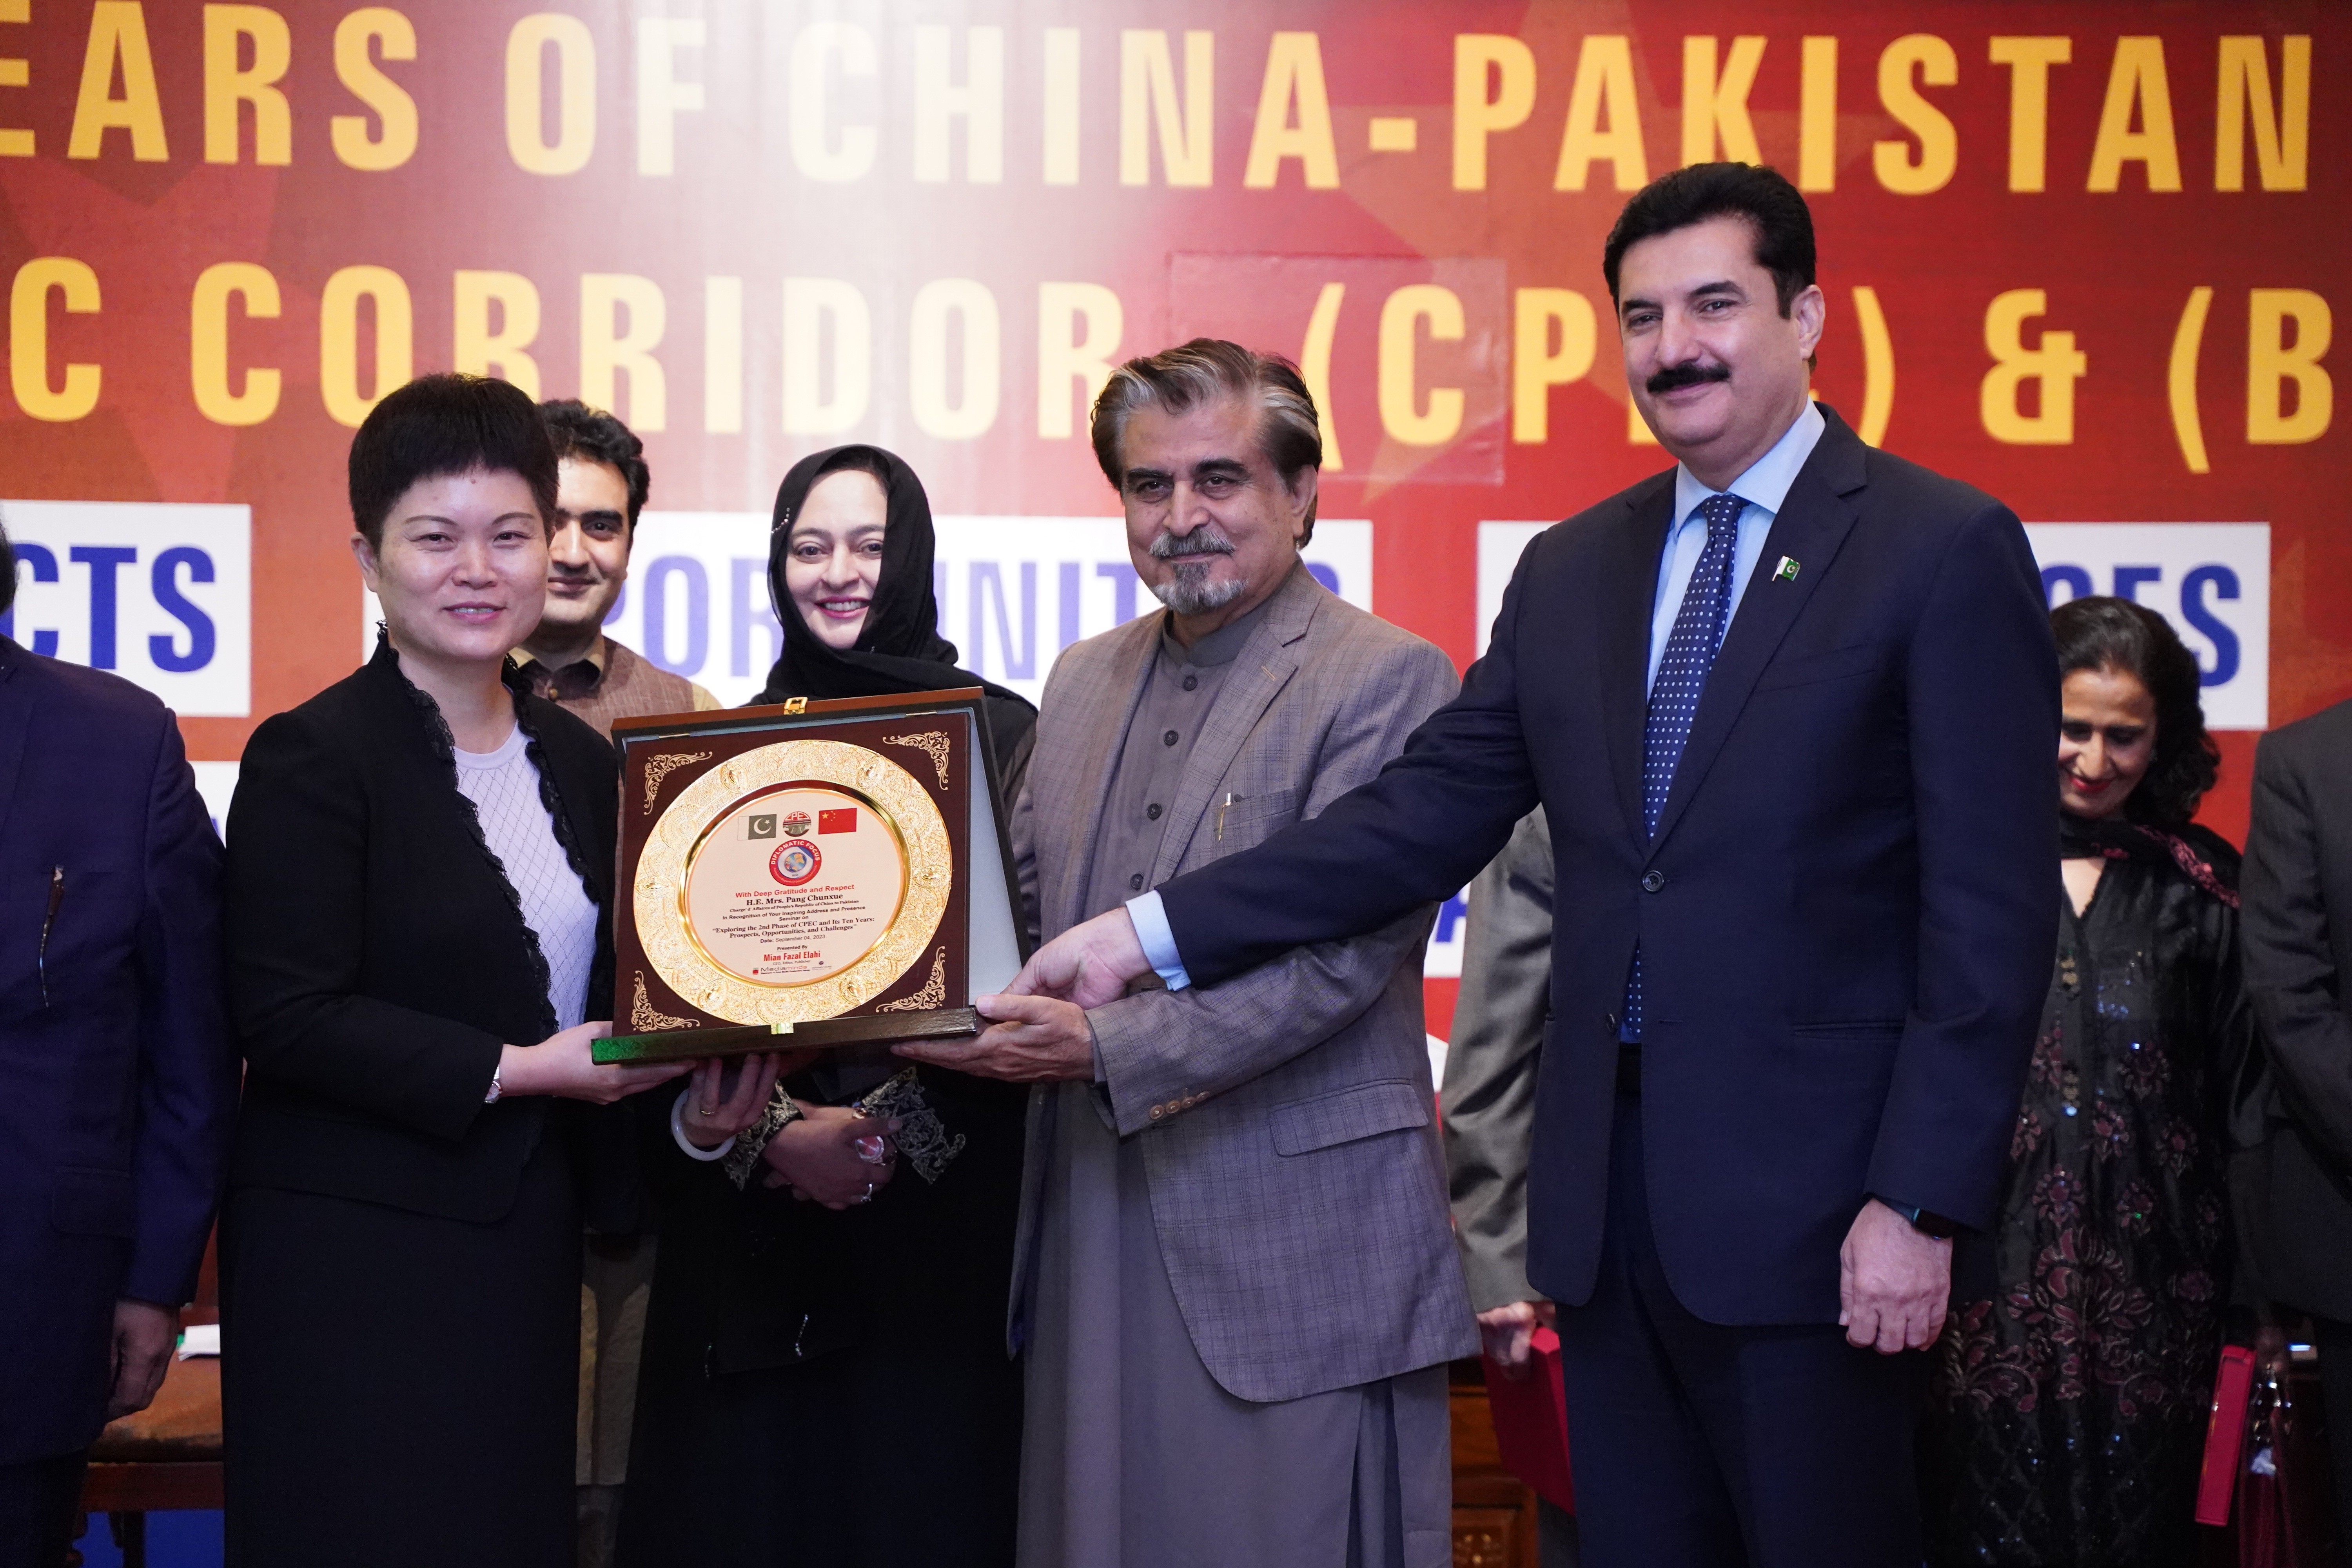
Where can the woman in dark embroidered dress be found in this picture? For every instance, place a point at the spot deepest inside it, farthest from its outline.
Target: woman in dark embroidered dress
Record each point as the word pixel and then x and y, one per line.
pixel 2070 1404
pixel 826 1376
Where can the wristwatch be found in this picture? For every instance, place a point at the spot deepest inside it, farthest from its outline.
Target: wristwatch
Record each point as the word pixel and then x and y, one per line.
pixel 1925 1221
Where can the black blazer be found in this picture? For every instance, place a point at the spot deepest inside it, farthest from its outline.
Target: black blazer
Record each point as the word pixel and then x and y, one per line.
pixel 1847 914
pixel 2295 932
pixel 377 959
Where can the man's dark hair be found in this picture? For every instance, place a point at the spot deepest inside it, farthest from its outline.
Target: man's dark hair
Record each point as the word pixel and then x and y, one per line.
pixel 2103 632
pixel 597 436
pixel 1205 369
pixel 1772 206
pixel 439 424
pixel 8 571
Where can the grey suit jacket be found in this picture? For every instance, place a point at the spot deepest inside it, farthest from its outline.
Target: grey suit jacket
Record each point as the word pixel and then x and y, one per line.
pixel 1489 1098
pixel 1297 1182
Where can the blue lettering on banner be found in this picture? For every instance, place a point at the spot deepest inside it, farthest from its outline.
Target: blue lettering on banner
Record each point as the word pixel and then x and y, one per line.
pixel 161 647
pixel 747 616
pixel 688 570
pixel 2211 580
pixel 163 595
pixel 988 593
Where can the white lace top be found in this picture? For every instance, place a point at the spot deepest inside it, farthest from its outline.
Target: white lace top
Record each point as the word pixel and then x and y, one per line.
pixel 504 788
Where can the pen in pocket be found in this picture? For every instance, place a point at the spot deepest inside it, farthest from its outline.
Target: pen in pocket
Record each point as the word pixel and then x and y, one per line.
pixel 56 900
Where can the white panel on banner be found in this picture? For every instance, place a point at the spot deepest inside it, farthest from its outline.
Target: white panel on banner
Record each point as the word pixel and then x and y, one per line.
pixel 1443 959
pixel 1500 546
pixel 2212 580
pixel 159 593
pixel 216 782
pixel 1014 592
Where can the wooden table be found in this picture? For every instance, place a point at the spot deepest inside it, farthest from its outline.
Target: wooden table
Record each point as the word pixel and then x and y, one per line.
pixel 166 1456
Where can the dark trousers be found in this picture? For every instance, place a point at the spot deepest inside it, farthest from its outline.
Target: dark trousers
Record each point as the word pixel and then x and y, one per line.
pixel 2335 1340
pixel 38 1500
pixel 1699 1446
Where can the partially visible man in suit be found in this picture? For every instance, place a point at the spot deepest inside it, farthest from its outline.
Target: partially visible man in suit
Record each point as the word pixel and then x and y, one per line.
pixel 1787 709
pixel 1489 1100
pixel 1233 1279
pixel 117 1080
pixel 2296 933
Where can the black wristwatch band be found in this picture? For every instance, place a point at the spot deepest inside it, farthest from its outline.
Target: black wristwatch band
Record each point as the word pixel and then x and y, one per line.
pixel 1925 1221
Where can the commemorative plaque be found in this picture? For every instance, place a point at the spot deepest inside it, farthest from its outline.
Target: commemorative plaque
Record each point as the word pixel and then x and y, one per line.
pixel 806 876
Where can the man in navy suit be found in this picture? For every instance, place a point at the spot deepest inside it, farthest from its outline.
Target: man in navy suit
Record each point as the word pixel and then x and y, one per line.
pixel 1788 710
pixel 118 1080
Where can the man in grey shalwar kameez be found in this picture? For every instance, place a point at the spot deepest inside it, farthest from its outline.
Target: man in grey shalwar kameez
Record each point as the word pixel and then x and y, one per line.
pixel 1237 1288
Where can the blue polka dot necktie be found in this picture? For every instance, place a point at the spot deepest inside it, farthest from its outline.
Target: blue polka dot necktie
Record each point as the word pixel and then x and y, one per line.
pixel 1691 647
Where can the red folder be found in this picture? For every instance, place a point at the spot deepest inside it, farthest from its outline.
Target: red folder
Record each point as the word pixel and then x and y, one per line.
pixel 1531 1421
pixel 2225 1434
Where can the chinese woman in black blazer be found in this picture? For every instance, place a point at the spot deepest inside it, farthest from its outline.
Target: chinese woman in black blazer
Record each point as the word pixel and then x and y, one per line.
pixel 401 1244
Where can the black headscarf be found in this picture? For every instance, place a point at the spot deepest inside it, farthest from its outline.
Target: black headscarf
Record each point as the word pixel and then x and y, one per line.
pixel 900 648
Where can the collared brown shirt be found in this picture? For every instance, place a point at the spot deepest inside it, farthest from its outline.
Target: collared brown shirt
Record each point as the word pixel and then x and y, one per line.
pixel 613 682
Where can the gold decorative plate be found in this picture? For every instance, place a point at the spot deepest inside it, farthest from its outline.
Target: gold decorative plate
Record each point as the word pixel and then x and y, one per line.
pixel 735 907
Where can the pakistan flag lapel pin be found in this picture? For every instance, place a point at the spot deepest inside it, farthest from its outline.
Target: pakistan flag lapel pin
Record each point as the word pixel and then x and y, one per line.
pixel 1787 571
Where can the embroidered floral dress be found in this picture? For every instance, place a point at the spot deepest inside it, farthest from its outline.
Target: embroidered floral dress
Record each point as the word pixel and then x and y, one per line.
pixel 2069 1406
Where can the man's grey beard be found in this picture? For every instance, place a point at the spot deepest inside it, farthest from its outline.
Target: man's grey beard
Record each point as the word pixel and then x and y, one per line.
pixel 1190 592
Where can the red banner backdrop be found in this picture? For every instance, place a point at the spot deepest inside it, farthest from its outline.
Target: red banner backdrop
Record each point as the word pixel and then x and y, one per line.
pixel 2080 254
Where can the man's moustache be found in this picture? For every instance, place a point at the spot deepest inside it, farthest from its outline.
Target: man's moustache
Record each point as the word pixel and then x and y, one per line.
pixel 1199 541
pixel 1675 376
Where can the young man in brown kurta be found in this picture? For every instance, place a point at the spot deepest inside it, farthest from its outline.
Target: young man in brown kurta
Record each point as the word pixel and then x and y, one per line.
pixel 600 488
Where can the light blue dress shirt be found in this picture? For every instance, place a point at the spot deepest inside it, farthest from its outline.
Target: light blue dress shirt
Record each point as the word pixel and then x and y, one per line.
pixel 1764 487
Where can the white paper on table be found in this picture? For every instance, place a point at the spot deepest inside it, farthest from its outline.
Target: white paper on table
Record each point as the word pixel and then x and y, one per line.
pixel 200 1338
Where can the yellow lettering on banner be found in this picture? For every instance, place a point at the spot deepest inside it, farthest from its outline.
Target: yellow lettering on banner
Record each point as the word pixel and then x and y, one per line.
pixel 28 337
pixel 2282 145
pixel 2180 379
pixel 118 33
pixel 1078 329
pixel 980 101
pixel 1554 336
pixel 1935 65
pixel 479 349
pixel 395 112
pixel 1817 116
pixel 2052 365
pixel 1314 366
pixel 228 83
pixel 339 339
pixel 575 94
pixel 2272 362
pixel 1401 317
pixel 1060 115
pixel 722 356
pixel 973 410
pixel 2135 83
pixel 1294 74
pixel 15 143
pixel 1637 428
pixel 2028 61
pixel 1482 60
pixel 1147 100
pixel 1604 86
pixel 1715 108
pixel 1877 366
pixel 661 97
pixel 814 153
pixel 607 352
pixel 208 369
pixel 811 305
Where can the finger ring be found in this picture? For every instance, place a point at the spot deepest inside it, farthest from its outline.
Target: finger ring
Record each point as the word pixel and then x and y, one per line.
pixel 873 1150
pixel 870 1194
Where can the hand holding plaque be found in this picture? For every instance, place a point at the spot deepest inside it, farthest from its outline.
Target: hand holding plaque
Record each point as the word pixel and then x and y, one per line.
pixel 808 876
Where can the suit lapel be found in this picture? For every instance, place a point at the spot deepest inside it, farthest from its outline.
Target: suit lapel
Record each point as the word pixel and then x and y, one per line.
pixel 1092 778
pixel 1260 671
pixel 15 723
pixel 1813 520
pixel 1629 595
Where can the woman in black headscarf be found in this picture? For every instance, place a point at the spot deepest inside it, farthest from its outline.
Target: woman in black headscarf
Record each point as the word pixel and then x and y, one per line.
pixel 825 1379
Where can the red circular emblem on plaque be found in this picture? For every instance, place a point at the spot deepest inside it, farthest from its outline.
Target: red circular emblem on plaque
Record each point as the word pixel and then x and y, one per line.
pixel 794 863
